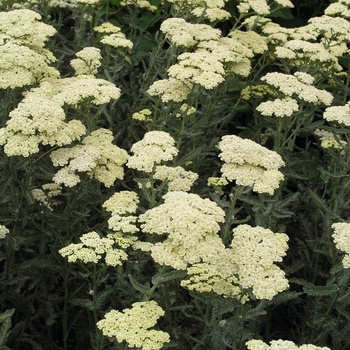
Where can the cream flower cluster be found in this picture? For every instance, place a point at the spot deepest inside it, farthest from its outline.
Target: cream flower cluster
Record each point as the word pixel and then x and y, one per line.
pixel 247 264
pixel 38 120
pixel 72 4
pixel 91 249
pixel 23 58
pixel 96 156
pixel 155 147
pixel 340 8
pixel 83 89
pixel 299 86
pixel 212 277
pixel 40 116
pixel 88 61
pixel 46 193
pixel 302 54
pixel 178 179
pixel 260 7
pixel 191 225
pixel 211 59
pixel 254 251
pixel 212 10
pixel 121 205
pixel 250 164
pixel 143 115
pixel 3 231
pixel 296 89
pixel 133 325
pixel 279 344
pixel 113 36
pixel 341 237
pixel 328 140
pixel 142 4
pixel 338 114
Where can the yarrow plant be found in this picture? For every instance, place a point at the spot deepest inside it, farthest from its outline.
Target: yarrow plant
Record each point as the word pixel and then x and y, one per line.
pixel 174 174
pixel 132 326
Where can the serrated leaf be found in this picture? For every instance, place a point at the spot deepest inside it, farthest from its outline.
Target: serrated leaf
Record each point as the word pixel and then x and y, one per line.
pixel 320 290
pixel 5 325
pixel 169 276
pixel 138 286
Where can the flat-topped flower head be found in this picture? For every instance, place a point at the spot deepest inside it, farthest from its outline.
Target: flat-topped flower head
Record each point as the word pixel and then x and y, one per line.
pixel 3 231
pixel 280 344
pixel 122 205
pixel 298 86
pixel 254 252
pixel 341 237
pixel 329 140
pixel 338 114
pixel 92 248
pixel 341 8
pixel 191 225
pixel 250 164
pixel 209 277
pixel 188 35
pixel 154 148
pixel 87 62
pixel 142 4
pixel 260 7
pixel 285 107
pixel 83 89
pixel 170 89
pixel 23 27
pixel 178 179
pixel 133 325
pixel 96 156
pixel 38 120
pixel 212 10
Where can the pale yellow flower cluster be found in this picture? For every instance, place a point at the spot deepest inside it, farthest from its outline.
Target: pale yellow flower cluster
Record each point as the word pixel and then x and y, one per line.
pixel 212 10
pixel 248 264
pixel 340 8
pixel 83 89
pixel 155 147
pixel 211 277
pixel 143 115
pixel 338 114
pixel 113 36
pixel 301 54
pixel 96 156
pixel 142 4
pixel 91 249
pixel 46 193
pixel 279 344
pixel 284 107
pixel 298 86
pixel 252 40
pixel 260 7
pixel 133 326
pixel 191 225
pixel 121 205
pixel 250 164
pixel 341 237
pixel 178 179
pixel 328 140
pixel 254 251
pixel 72 3
pixel 23 58
pixel 3 231
pixel 88 61
pixel 211 58
pixel 38 120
